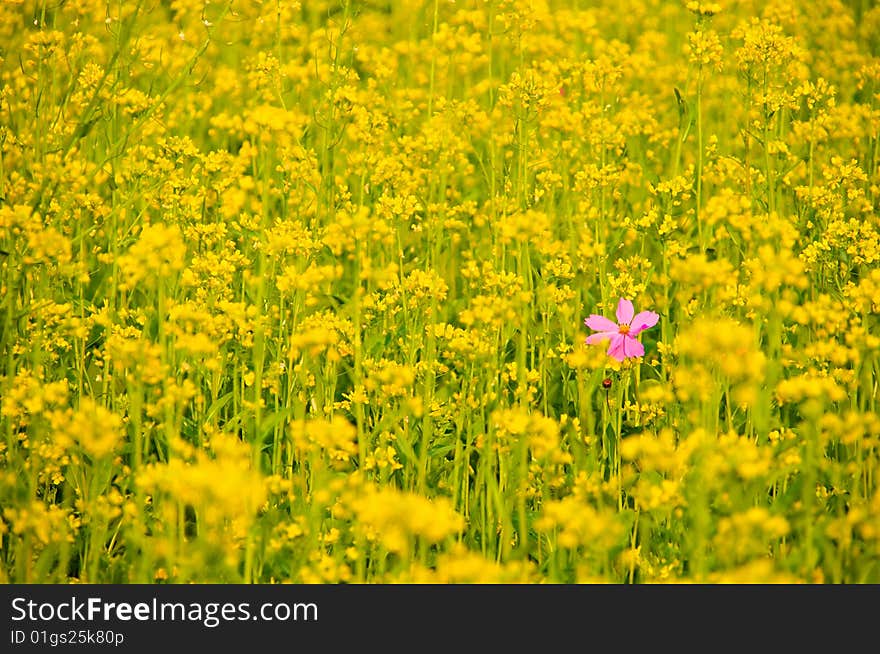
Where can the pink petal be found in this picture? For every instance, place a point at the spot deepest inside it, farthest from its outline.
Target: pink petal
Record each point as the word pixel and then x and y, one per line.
pixel 601 336
pixel 616 348
pixel 632 347
pixel 624 311
pixel 600 324
pixel 643 320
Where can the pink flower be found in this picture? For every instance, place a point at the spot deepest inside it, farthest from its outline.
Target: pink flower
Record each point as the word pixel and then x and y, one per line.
pixel 622 335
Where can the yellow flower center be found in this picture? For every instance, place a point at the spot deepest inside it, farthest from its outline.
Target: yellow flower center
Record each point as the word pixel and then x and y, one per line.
pixel 624 329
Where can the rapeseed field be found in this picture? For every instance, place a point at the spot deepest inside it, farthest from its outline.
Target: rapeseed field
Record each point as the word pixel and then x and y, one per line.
pixel 445 291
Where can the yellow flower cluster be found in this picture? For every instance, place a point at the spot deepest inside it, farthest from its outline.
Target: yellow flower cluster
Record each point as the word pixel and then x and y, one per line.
pixel 723 350
pixel 158 255
pixel 337 438
pixel 393 518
